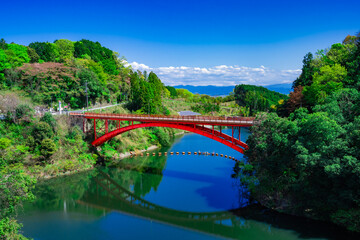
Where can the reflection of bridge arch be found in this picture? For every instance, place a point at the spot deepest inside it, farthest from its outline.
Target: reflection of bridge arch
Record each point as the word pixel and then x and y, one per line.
pixel 126 202
pixel 118 191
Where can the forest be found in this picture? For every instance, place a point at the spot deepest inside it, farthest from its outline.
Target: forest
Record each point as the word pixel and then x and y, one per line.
pixel 305 157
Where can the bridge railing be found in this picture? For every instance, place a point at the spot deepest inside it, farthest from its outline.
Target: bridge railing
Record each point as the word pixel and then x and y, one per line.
pixel 212 119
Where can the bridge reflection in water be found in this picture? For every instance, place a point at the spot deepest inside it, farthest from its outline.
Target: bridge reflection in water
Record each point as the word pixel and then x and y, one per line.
pixel 109 195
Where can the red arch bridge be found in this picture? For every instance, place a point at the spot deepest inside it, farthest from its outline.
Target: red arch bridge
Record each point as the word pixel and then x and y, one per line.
pixel 203 125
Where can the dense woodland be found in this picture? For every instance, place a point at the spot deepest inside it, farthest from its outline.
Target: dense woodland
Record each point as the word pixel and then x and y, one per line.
pixel 306 157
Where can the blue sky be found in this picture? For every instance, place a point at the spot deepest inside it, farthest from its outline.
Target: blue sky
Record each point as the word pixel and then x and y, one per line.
pixel 257 42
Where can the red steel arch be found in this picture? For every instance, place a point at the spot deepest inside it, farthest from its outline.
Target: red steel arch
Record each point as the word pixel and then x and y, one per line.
pixel 210 133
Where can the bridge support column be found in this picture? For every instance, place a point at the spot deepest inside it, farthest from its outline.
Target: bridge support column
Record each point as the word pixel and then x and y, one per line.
pixel 239 133
pixel 232 134
pixel 213 129
pixel 106 126
pixel 95 128
pixel 84 125
pixel 220 129
pixel 119 126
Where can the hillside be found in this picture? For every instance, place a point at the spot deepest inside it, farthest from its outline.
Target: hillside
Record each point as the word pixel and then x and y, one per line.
pixel 51 72
pixel 257 98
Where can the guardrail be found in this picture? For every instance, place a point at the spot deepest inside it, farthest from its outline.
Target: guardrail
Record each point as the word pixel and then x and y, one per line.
pixel 172 118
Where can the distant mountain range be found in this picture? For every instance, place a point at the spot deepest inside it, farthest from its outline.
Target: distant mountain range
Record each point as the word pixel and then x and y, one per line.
pixel 211 90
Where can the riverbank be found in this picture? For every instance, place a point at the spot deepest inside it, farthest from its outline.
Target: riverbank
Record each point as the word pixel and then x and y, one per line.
pixel 129 154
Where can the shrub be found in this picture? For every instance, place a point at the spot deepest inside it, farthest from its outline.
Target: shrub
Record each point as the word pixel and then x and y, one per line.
pixel 41 131
pixel 49 119
pixel 48 147
pixel 24 112
pixel 4 143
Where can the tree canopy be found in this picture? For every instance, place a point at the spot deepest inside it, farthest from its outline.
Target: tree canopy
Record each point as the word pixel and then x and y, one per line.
pixel 309 161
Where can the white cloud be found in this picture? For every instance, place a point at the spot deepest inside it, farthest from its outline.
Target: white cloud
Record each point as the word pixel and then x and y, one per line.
pixel 222 75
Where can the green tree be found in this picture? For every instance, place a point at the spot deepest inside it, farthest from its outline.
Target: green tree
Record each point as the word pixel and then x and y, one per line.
pixel 326 81
pixel 184 93
pixel 17 55
pixel 49 119
pixel 41 131
pixel 47 52
pixel 157 88
pixel 342 106
pixel 4 143
pixel 136 96
pixel 307 72
pixel 256 98
pixel 3 44
pixel 66 49
pixel 47 147
pixel 172 90
pixel 15 188
pixel 98 53
pixel 4 63
pixel 34 57
pixel 24 112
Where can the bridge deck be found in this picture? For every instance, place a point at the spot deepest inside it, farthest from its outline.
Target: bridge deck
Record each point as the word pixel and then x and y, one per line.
pixel 204 120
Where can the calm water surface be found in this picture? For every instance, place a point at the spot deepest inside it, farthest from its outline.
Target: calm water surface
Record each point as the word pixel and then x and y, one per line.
pixel 168 197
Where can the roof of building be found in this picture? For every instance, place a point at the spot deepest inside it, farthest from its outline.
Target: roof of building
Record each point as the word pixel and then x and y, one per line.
pixel 188 113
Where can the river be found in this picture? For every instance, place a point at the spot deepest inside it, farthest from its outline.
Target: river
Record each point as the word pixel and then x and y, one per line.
pixel 166 197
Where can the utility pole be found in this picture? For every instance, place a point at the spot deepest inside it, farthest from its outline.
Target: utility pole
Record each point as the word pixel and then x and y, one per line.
pixel 87 100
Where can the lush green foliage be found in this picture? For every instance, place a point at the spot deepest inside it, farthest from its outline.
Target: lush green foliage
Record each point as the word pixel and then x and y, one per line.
pixel 257 98
pixel 12 56
pixel 172 90
pixel 30 146
pixel 107 58
pixel 15 188
pixel 309 163
pixel 306 76
pixel 205 108
pixel 64 69
pixel 146 94
pixel 48 52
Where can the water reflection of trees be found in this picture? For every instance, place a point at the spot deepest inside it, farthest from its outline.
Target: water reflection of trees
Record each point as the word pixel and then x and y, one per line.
pixel 139 173
pixel 61 193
